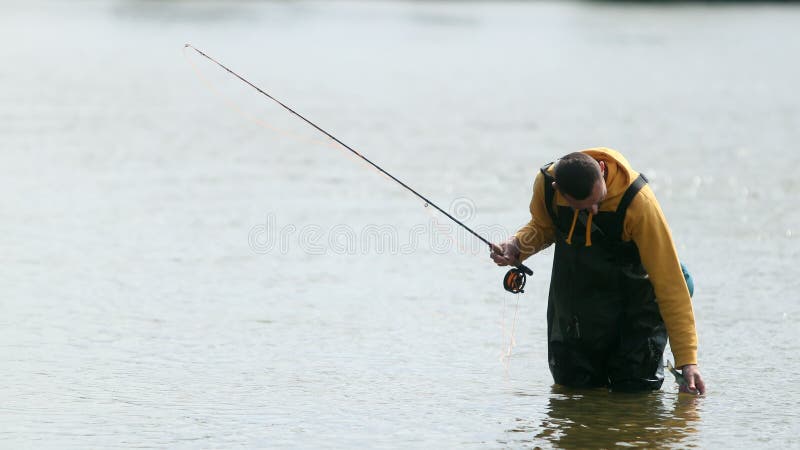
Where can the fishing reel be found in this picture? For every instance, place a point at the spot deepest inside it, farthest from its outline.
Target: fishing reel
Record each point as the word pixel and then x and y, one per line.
pixel 515 278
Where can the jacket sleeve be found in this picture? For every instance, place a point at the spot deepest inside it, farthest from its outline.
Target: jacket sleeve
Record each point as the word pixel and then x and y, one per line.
pixel 646 225
pixel 539 232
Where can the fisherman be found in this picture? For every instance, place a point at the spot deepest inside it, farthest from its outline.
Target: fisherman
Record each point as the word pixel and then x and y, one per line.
pixel 617 288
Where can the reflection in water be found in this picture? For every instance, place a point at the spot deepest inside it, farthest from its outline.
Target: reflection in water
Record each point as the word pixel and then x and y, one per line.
pixel 601 419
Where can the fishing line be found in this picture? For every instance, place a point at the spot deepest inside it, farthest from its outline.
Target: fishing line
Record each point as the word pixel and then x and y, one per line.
pixel 514 281
pixel 503 340
pixel 506 349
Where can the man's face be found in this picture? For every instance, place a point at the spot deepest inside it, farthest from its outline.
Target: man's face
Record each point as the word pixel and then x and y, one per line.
pixel 592 202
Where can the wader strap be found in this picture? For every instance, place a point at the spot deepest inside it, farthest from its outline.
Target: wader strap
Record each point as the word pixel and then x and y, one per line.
pixel 631 192
pixel 549 192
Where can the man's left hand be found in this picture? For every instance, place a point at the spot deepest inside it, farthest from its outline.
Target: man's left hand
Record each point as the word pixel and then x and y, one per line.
pixel 694 381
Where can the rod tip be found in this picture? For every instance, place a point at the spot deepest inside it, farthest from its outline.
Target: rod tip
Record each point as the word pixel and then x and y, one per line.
pixel 187 45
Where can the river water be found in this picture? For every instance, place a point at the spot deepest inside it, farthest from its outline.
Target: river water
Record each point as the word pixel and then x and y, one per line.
pixel 186 266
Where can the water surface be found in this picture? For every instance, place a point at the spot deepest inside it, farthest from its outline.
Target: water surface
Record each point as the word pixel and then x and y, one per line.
pixel 178 275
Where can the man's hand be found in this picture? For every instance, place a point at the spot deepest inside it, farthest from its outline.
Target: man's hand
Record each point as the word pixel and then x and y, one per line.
pixel 694 381
pixel 506 253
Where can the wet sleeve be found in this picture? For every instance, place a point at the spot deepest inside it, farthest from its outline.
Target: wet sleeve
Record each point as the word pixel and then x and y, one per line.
pixel 646 225
pixel 539 232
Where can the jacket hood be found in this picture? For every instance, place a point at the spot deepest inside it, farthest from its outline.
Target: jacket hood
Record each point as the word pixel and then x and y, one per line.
pixel 619 176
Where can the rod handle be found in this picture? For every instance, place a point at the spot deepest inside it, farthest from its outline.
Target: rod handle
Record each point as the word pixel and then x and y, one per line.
pixel 524 268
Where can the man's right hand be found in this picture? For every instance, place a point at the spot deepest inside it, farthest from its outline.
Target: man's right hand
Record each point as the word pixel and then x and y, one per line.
pixel 506 253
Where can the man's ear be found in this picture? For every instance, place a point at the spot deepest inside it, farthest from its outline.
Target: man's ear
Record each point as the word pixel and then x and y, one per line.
pixel 602 167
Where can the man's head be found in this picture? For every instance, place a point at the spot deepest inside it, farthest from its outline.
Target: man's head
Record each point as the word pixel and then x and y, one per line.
pixel 579 178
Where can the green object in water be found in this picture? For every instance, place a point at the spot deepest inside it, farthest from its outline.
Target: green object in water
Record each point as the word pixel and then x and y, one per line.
pixel 689 280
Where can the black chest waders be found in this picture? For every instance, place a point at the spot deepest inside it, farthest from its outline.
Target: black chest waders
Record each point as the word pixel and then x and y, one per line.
pixel 603 323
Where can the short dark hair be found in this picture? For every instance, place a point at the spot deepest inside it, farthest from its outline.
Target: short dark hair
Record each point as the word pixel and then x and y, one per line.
pixel 576 175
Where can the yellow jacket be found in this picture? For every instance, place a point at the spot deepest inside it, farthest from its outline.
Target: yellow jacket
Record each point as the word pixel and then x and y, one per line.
pixel 646 225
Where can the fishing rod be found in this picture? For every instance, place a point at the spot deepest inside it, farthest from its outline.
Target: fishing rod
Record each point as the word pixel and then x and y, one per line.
pixel 513 281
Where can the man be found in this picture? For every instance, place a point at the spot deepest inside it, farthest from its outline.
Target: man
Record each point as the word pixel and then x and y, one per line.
pixel 616 274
